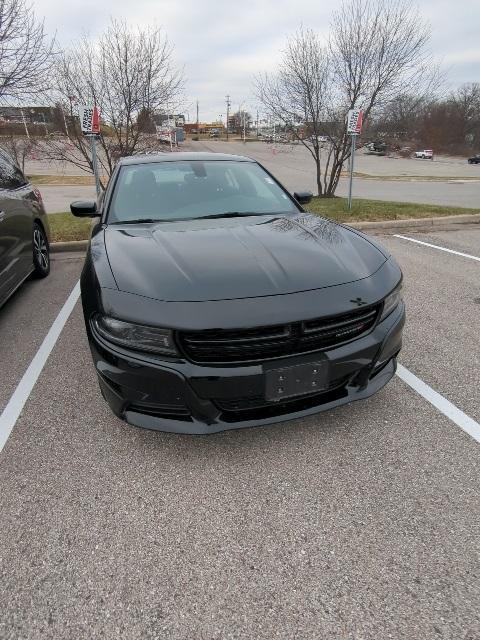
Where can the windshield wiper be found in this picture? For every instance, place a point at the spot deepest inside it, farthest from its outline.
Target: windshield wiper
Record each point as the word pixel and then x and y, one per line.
pixel 227 214
pixel 136 221
pixel 233 214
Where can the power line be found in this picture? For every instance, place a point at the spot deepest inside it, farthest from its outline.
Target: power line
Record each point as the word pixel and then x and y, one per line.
pixel 228 113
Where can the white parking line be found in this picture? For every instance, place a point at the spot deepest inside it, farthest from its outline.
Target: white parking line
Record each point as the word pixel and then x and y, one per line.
pixel 439 402
pixel 434 246
pixel 10 414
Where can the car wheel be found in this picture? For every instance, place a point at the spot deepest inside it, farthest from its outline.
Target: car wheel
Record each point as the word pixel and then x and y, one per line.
pixel 41 253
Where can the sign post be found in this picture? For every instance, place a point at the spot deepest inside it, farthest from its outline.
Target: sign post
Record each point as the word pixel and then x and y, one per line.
pixel 90 124
pixel 354 128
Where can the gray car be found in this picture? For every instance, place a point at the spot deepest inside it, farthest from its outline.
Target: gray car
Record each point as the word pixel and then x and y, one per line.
pixel 24 231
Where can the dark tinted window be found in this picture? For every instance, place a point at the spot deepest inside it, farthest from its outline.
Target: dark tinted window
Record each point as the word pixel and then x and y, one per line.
pixel 10 175
pixel 194 189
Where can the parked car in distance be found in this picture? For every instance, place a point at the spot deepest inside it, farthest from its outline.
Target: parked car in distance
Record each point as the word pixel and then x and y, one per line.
pixel 425 154
pixel 212 300
pixel 474 159
pixel 376 148
pixel 24 231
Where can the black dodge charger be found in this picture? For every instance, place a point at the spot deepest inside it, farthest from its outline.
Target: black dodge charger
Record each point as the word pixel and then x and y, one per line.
pixel 213 301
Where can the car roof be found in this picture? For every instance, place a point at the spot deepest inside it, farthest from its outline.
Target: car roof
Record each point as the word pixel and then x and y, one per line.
pixel 167 156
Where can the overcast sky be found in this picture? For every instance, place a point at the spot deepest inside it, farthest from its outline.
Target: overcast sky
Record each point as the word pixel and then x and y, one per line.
pixel 222 44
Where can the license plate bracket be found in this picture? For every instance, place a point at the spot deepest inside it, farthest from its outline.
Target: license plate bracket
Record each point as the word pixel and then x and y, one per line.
pixel 295 380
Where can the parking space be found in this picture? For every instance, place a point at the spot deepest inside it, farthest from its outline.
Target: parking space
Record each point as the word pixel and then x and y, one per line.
pixel 27 316
pixel 361 522
pixel 443 303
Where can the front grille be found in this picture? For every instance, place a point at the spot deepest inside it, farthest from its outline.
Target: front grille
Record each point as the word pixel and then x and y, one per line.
pixel 277 409
pixel 221 346
pixel 246 403
pixel 178 411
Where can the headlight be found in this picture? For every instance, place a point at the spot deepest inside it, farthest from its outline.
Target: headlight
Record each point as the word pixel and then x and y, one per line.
pixel 136 336
pixel 391 302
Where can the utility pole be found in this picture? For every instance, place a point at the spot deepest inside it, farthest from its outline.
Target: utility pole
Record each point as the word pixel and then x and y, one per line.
pixel 64 119
pixel 197 118
pixel 93 148
pixel 352 157
pixel 44 123
pixel 24 123
pixel 228 113
pixel 257 123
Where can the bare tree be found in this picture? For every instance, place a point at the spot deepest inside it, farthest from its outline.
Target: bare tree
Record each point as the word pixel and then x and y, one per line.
pixel 19 148
pixel 400 119
pixel 238 119
pixel 26 53
pixel 376 50
pixel 298 94
pixel 126 73
pixel 465 103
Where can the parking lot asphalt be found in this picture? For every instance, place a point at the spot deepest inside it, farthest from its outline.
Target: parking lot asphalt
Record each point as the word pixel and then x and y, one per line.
pixel 294 167
pixel 57 199
pixel 363 522
pixel 28 315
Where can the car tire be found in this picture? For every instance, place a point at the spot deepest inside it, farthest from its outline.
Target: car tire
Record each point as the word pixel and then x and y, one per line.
pixel 41 252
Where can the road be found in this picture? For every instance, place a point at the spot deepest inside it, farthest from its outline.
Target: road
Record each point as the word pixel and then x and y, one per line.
pixel 294 167
pixel 57 199
pixel 360 523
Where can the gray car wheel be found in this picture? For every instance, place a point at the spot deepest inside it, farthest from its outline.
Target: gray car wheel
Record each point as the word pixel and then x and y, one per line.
pixel 41 253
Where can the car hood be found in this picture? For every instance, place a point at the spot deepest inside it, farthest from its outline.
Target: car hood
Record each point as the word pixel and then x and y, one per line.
pixel 233 258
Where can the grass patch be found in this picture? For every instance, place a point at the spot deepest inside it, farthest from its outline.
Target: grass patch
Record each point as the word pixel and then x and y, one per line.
pixel 410 178
pixel 377 210
pixel 67 181
pixel 64 227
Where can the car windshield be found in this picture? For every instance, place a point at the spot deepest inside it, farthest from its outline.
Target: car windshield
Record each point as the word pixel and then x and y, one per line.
pixel 179 190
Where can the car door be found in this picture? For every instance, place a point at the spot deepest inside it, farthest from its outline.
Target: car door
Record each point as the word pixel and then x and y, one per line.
pixel 15 228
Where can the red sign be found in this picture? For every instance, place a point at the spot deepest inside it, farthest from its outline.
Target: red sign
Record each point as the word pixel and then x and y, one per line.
pixel 355 121
pixel 89 120
pixel 95 121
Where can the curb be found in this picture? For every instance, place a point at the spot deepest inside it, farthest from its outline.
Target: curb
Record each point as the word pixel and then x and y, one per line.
pixel 417 223
pixel 385 225
pixel 75 245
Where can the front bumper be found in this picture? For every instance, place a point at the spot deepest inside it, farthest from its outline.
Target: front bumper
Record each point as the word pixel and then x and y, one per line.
pixel 181 397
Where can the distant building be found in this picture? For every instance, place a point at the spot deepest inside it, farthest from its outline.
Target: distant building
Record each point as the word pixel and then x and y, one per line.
pixel 208 126
pixel 190 127
pixel 32 115
pixel 203 127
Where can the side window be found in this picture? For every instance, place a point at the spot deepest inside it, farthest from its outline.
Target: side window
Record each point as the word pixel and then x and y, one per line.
pixel 10 176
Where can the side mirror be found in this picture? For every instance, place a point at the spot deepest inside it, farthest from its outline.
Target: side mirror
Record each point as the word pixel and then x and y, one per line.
pixel 84 209
pixel 303 197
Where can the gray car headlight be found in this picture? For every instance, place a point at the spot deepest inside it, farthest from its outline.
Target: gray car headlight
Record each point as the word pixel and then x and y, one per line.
pixel 391 302
pixel 136 336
